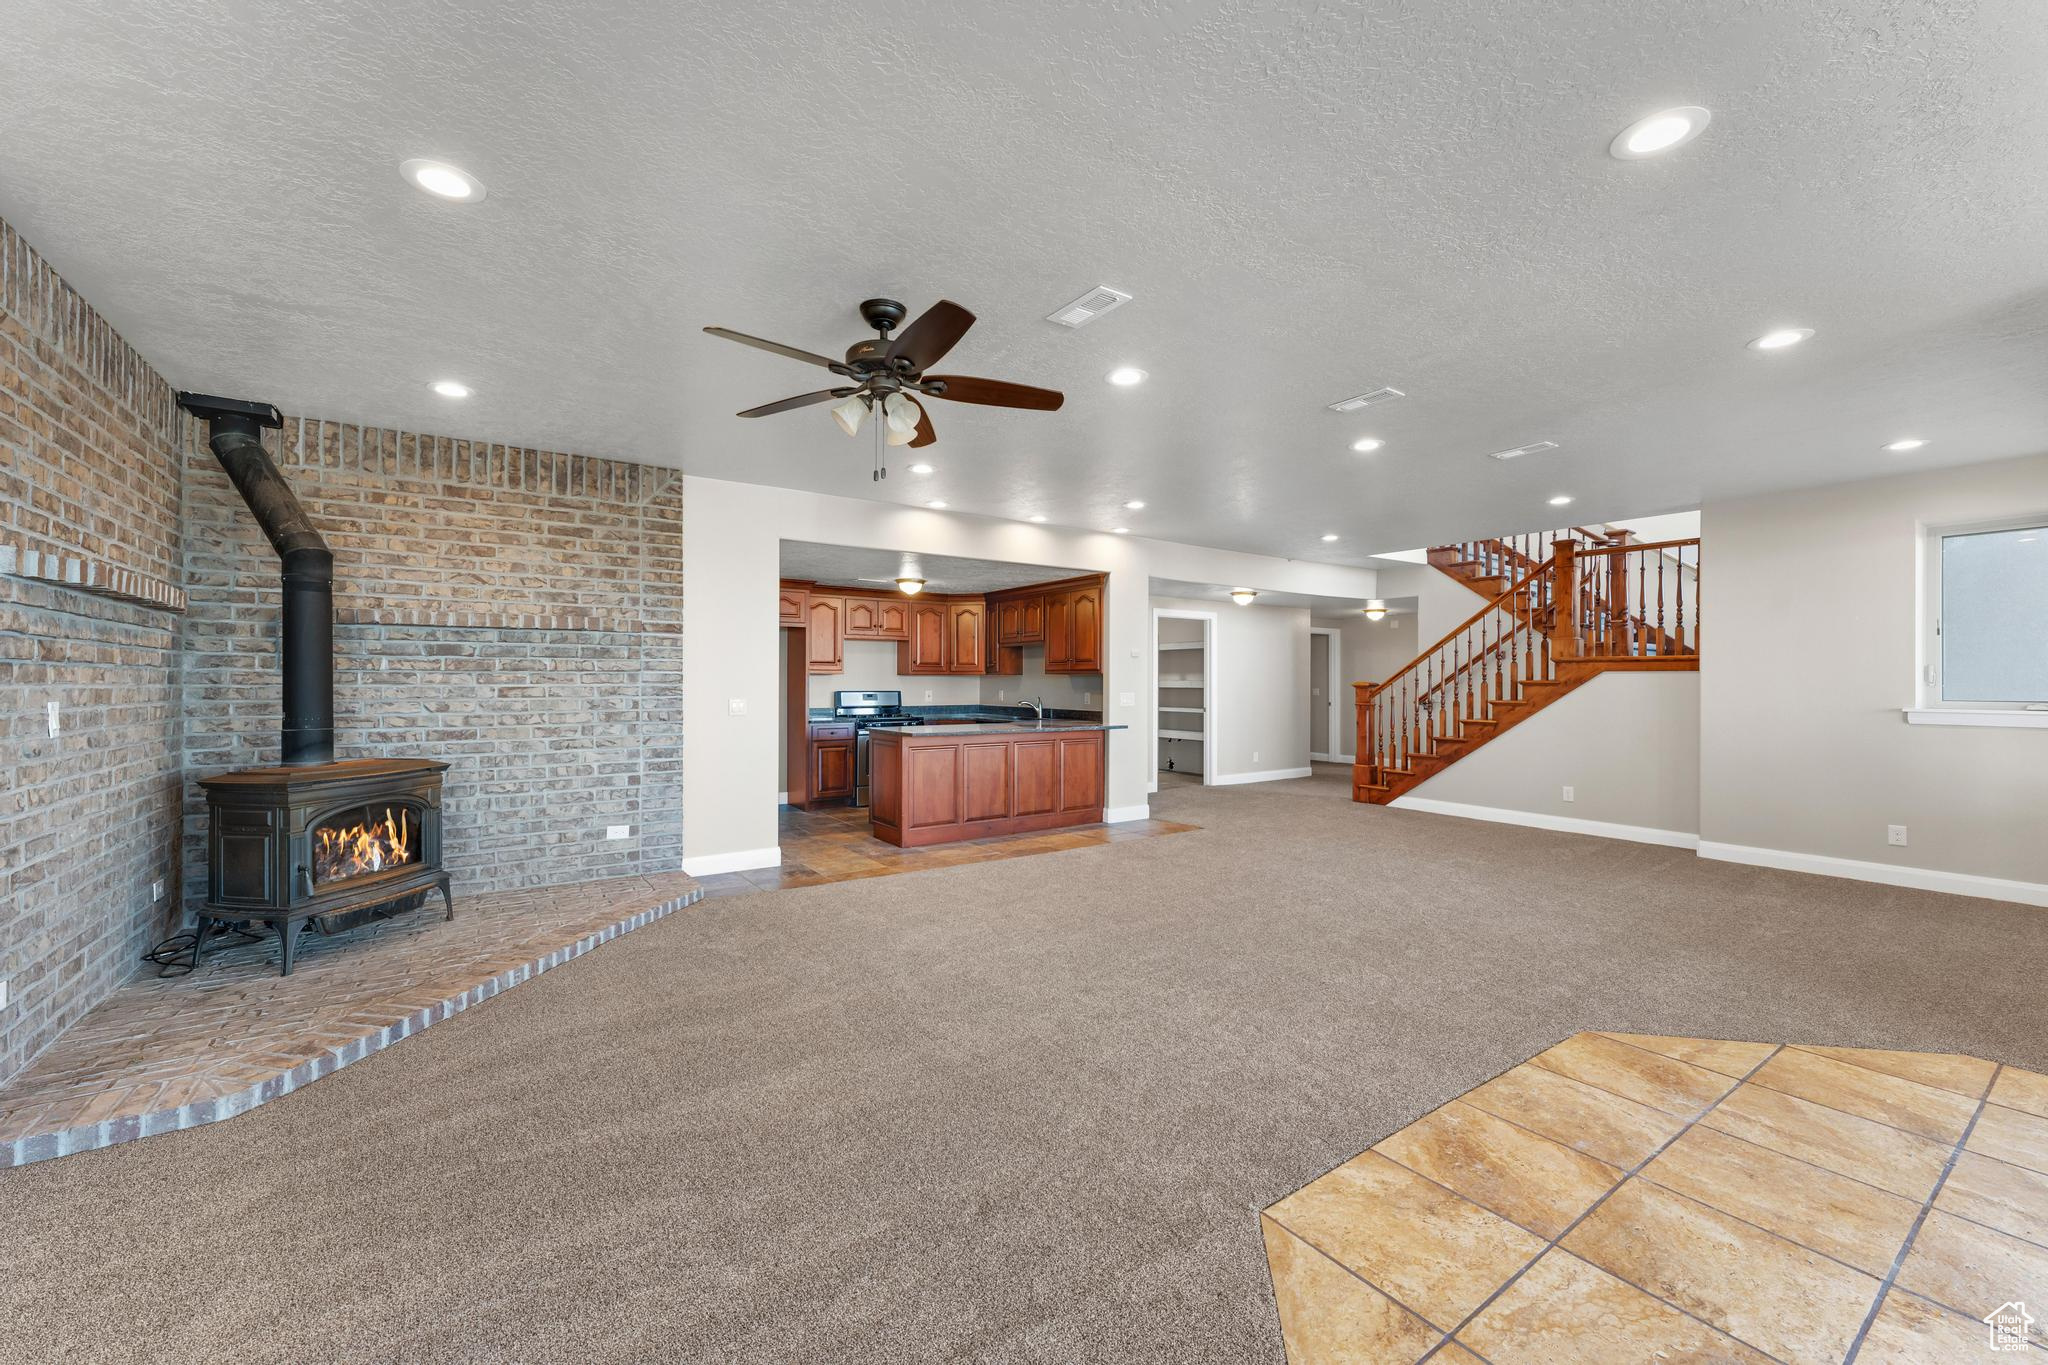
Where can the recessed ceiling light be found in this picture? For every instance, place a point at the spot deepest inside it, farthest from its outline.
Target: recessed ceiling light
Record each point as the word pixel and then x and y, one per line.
pixel 1910 443
pixel 449 388
pixel 1035 518
pixel 920 469
pixel 1780 339
pixel 1561 500
pixel 1119 530
pixel 1135 505
pixel 1330 537
pixel 442 180
pixel 1660 132
pixel 936 505
pixel 1126 375
pixel 1367 445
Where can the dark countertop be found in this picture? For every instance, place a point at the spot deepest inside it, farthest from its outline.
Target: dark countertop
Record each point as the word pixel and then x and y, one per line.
pixel 994 727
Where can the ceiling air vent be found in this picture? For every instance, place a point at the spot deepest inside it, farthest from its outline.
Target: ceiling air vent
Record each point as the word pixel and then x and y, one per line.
pixel 1089 306
pixel 1534 448
pixel 1365 400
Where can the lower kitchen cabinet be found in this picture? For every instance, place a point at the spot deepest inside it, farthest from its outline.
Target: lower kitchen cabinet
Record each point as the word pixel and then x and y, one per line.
pixel 928 788
pixel 832 761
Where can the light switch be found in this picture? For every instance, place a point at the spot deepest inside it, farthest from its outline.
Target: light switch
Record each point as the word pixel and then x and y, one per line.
pixel 736 706
pixel 1127 698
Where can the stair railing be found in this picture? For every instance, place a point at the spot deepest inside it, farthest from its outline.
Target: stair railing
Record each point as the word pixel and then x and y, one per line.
pixel 1622 600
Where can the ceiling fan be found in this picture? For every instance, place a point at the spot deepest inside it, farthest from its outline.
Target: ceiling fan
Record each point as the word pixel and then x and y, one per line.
pixel 886 371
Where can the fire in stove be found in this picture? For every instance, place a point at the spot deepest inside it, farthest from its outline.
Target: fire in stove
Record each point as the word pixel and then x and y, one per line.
pixel 368 845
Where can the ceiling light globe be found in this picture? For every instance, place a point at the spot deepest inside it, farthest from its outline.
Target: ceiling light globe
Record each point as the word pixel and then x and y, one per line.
pixel 1375 613
pixel 910 587
pixel 850 414
pixel 1242 596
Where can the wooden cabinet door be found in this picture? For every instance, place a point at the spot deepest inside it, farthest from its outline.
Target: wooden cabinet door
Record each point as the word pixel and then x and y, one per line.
pixel 965 643
pixel 792 603
pixel 825 620
pixel 1009 621
pixel 1081 775
pixel 893 620
pixel 924 650
pixel 1086 624
pixel 863 618
pixel 1059 632
pixel 831 768
pixel 1031 631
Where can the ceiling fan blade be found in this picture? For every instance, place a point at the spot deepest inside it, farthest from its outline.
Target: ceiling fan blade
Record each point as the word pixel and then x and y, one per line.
pixel 792 352
pixel 997 393
pixel 802 400
pixel 925 435
pixel 924 342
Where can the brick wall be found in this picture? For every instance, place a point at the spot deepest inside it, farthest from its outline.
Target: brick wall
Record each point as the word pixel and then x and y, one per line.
pixel 90 463
pixel 517 613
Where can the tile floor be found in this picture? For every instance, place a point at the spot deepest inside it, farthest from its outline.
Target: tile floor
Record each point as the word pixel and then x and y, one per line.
pixel 168 1053
pixel 1627 1198
pixel 835 843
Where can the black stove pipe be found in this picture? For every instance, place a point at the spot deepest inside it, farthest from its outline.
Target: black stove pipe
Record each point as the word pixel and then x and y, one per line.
pixel 234 430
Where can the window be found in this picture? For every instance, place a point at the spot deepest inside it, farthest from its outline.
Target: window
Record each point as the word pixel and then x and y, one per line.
pixel 1989 601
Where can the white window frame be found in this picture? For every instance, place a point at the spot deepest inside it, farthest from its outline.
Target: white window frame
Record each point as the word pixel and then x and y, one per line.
pixel 1929 706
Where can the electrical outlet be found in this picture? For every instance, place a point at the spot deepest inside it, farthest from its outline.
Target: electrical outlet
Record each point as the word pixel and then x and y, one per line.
pixel 736 706
pixel 927 694
pixel 618 831
pixel 1570 794
pixel 55 726
pixel 1895 835
pixel 1255 755
pixel 1087 698
pixel 156 890
pixel 1002 694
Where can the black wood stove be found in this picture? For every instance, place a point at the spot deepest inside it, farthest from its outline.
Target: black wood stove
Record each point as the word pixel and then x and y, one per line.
pixel 311 841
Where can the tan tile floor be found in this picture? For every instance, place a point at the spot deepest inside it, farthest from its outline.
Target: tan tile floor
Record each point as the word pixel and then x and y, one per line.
pixel 1632 1198
pixel 836 843
pixel 167 1053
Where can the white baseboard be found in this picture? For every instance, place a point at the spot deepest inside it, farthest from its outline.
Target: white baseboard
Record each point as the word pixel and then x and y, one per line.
pixel 711 864
pixel 1889 874
pixel 1117 815
pixel 1274 775
pixel 1564 824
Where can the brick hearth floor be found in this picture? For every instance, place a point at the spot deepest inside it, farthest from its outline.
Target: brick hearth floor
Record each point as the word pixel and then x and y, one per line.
pixel 167 1053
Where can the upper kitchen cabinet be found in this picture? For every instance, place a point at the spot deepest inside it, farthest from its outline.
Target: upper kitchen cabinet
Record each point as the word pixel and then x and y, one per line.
pixel 793 601
pixel 945 637
pixel 825 633
pixel 1073 629
pixel 877 618
pixel 966 637
pixel 1019 620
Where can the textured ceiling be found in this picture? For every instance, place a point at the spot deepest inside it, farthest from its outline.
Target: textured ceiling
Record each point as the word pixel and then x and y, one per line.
pixel 848 566
pixel 1307 201
pixel 1320 606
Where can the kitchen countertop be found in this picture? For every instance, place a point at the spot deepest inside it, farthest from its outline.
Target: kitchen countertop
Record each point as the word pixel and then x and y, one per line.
pixel 993 727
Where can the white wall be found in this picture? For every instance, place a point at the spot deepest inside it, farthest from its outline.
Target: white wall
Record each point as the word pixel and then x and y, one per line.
pixel 1258 713
pixel 732 550
pixel 1809 652
pixel 1627 743
pixel 1442 602
pixel 1368 652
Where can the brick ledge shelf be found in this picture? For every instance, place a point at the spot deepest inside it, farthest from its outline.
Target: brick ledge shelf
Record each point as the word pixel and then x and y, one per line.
pixel 83 573
pixel 19 1148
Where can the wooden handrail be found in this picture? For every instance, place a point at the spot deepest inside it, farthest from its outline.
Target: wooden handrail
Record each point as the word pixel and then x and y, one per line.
pixel 1646 545
pixel 1474 619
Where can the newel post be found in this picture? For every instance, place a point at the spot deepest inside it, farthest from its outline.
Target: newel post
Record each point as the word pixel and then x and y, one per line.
pixel 1564 600
pixel 1367 757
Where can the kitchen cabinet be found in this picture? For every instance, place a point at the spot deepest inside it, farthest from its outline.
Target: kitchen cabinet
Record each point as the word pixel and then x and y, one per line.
pixel 965 642
pixel 1073 630
pixel 825 634
pixel 928 787
pixel 1020 620
pixel 945 637
pixel 793 600
pixel 832 761
pixel 925 649
pixel 876 618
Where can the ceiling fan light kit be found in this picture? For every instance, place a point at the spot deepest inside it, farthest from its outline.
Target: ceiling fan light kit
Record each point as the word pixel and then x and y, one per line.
pixel 888 370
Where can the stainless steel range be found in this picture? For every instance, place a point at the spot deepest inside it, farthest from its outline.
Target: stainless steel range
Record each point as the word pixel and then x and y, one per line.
pixel 868 710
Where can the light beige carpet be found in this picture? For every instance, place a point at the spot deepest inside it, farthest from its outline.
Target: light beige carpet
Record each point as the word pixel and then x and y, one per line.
pixel 1015 1111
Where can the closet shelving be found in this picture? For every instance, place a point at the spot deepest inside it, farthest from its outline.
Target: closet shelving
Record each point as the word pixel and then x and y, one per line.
pixel 1183 700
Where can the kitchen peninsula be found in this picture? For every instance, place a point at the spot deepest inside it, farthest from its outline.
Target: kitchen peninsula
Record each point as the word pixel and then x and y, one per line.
pixel 942 784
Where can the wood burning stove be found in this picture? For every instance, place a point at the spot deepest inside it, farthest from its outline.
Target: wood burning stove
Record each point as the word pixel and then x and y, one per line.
pixel 331 845
pixel 312 840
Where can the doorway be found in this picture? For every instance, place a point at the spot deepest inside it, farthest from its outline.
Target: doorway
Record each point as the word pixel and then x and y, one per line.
pixel 1184 700
pixel 1325 691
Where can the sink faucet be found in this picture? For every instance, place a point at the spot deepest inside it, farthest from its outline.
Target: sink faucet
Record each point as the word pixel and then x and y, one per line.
pixel 1037 708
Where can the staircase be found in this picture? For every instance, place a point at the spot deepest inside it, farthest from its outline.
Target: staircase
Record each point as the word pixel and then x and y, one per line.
pixel 1562 608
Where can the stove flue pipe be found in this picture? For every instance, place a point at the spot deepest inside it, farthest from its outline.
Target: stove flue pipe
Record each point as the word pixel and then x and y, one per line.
pixel 234 430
